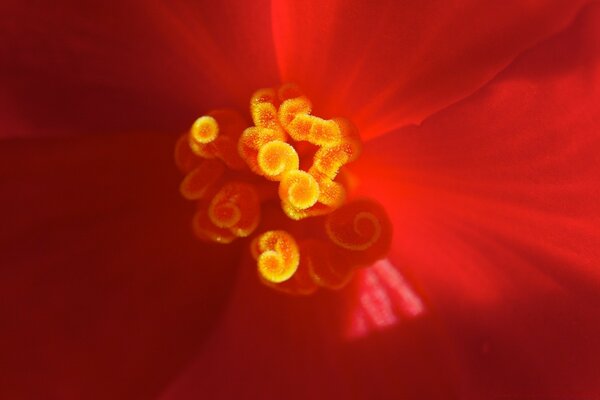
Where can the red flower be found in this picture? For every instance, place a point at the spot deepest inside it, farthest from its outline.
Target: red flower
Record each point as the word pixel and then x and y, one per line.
pixel 493 197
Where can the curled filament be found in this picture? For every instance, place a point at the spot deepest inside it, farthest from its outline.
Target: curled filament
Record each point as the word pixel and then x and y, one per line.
pixel 277 255
pixel 284 157
pixel 362 228
pixel 235 207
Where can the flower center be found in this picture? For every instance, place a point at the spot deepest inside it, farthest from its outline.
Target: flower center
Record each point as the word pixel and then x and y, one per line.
pixel 282 182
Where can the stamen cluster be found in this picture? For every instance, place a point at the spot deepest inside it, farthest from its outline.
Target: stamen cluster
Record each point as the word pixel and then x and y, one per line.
pixel 291 157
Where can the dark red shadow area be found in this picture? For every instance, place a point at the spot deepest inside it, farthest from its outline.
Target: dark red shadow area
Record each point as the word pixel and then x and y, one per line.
pixel 105 291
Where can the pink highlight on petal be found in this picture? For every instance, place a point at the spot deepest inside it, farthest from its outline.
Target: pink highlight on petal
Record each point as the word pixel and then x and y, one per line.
pixel 402 294
pixel 384 299
pixel 376 301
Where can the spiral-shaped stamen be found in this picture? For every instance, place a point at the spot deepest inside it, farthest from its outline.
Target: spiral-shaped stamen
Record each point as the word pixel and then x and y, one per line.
pixel 277 255
pixel 301 283
pixel 204 130
pixel 299 128
pixel 263 109
pixel 299 189
pixel 329 160
pixel 324 132
pixel 252 140
pixel 216 136
pixel 235 207
pixel 290 109
pixel 299 157
pixel 362 227
pixel 264 115
pixel 276 158
pixel 331 194
pixel 350 135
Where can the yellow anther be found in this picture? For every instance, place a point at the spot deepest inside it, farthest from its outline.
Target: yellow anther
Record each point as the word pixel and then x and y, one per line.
pixel 235 207
pixel 295 213
pixel 204 130
pixel 292 108
pixel 277 255
pixel 328 160
pixel 216 136
pixel 264 115
pixel 332 194
pixel 301 283
pixel 324 132
pixel 252 140
pixel 263 109
pixel 299 128
pixel 200 180
pixel 277 158
pixel 349 131
pixel 299 189
pixel 296 156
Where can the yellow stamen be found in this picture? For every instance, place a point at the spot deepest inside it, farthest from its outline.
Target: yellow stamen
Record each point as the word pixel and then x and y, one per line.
pixel 298 107
pixel 234 171
pixel 235 207
pixel 263 108
pixel 216 136
pixel 324 132
pixel 252 140
pixel 276 158
pixel 277 256
pixel 331 194
pixel 299 189
pixel 204 130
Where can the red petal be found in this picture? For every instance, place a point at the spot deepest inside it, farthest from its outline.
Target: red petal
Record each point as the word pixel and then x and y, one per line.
pixel 386 64
pixel 105 291
pixel 495 204
pixel 274 346
pixel 133 65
